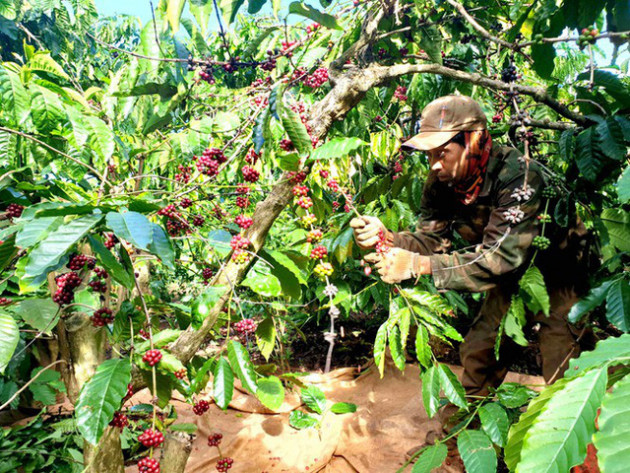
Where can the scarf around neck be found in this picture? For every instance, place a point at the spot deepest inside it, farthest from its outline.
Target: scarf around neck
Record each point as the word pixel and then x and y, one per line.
pixel 475 163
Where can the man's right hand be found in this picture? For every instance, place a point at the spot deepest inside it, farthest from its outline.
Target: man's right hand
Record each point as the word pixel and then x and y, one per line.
pixel 366 231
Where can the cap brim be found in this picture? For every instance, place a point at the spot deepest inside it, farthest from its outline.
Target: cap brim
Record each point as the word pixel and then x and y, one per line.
pixel 427 140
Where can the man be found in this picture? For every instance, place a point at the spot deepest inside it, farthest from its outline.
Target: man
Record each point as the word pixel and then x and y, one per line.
pixel 492 198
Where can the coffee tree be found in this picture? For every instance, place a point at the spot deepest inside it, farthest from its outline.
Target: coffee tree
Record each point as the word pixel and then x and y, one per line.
pixel 175 195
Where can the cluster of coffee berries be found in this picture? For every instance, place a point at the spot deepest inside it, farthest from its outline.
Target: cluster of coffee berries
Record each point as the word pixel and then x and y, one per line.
pixel 242 202
pixel 151 438
pixel 286 45
pixel 224 464
pixel 169 211
pixel 14 210
pixel 252 156
pixel 120 420
pixel 509 74
pixel 403 51
pixel 544 218
pixel 382 52
pixel 102 317
pixel 497 117
pixel 382 246
pixel 198 220
pixel 300 191
pixel 152 357
pixel 319 252
pixel 286 145
pixel 181 374
pixel 184 174
pixel 242 189
pixel 250 174
pixel 270 63
pixel 541 242
pixel 324 173
pixel 297 177
pixel 308 219
pixel 401 93
pixel 201 407
pixel 214 440
pixel 209 161
pixel 66 284
pixel 185 203
pixel 318 78
pixel 514 215
pixel 550 192
pixel 367 269
pixel 523 193
pixel 207 274
pixel 243 221
pixel 587 36
pixel 97 283
pixel 148 465
pixel 239 243
pixel 78 262
pixel 312 28
pixel 528 136
pixel 4 301
pixel 323 269
pixel 398 169
pixel 245 326
pixel 110 241
pixel 304 202
pixel 314 235
pixel 467 38
pixel 521 118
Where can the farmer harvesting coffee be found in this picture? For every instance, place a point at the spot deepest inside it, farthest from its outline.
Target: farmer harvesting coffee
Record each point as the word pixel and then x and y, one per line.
pixel 493 199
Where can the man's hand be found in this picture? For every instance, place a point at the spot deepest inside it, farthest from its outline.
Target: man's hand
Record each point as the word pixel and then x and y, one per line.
pixel 366 231
pixel 397 264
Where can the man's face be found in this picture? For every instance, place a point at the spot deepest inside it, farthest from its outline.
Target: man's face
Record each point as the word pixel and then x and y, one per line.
pixel 446 162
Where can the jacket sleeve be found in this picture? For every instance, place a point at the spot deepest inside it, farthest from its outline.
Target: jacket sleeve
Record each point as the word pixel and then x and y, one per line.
pixel 433 231
pixel 506 243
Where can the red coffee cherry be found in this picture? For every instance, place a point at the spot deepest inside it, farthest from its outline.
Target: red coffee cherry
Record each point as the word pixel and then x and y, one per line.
pixel 152 357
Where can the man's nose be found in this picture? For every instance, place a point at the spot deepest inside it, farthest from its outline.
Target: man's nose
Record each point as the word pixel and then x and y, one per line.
pixel 437 166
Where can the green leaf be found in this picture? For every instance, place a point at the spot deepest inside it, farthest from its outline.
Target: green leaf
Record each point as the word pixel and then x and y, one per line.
pixel 46 109
pixel 287 278
pixel 169 363
pixel 558 438
pixel 543 56
pixel 46 386
pixel 102 140
pixel 254 6
pixel 14 97
pixel 36 230
pixel 623 186
pixel 307 11
pixel 270 392
pixel 423 350
pixel 162 247
pixel 494 422
pixel 204 303
pixel 451 386
pixel 133 227
pixel 174 10
pixel 343 408
pixel 336 148
pixel 477 452
pixel 295 129
pixel 51 249
pixel 43 62
pixel 242 365
pixel 9 338
pixel 431 390
pixel 314 399
pixel 100 397
pixel 301 420
pixel 592 300
pixel 515 321
pixel 230 9
pixel 223 384
pixel 80 134
pixel 610 139
pixel 431 42
pixel 110 263
pixel 430 459
pixel 611 83
pixel 8 251
pixel 7 9
pixel 617 222
pixel 611 440
pixel 535 292
pixel 266 337
pixel 379 348
pixel 396 348
pixel 183 427
pixel 618 304
pixel 41 314
pixel 260 280
pixel 611 351
pixel 587 159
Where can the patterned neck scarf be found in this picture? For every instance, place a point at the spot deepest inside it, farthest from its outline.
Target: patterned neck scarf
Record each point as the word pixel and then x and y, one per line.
pixel 475 163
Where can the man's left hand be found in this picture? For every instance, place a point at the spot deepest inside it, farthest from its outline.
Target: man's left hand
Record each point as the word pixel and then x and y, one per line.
pixel 397 264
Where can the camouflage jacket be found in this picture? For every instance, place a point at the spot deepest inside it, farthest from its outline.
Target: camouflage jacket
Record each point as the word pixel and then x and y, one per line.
pixel 498 225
